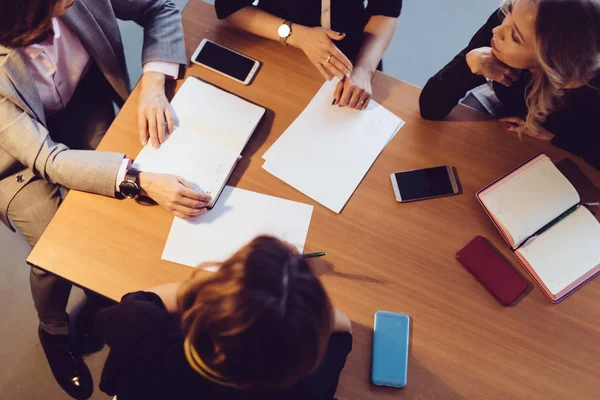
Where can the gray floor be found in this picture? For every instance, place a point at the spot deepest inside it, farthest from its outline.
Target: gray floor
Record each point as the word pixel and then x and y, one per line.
pixel 429 34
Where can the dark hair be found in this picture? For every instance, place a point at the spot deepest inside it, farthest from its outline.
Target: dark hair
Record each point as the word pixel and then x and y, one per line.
pixel 263 320
pixel 26 22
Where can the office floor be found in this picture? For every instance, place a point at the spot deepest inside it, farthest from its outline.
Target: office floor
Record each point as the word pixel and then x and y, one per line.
pixel 429 34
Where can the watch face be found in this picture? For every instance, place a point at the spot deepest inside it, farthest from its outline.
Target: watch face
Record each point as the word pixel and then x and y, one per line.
pixel 129 189
pixel 284 30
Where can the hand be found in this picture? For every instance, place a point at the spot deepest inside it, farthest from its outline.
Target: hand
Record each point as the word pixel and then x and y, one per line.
pixel 317 44
pixel 354 91
pixel 516 124
pixel 483 62
pixel 154 111
pixel 341 322
pixel 175 194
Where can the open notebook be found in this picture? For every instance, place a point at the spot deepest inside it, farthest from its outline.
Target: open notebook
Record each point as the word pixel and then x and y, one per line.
pixel 540 215
pixel 213 127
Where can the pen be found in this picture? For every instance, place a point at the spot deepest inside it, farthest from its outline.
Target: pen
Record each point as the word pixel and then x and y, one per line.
pixel 550 224
pixel 313 255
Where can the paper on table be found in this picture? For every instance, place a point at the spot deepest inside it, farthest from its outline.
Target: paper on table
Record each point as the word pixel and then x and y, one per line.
pixel 525 201
pixel 200 162
pixel 215 114
pixel 238 217
pixel 566 254
pixel 327 150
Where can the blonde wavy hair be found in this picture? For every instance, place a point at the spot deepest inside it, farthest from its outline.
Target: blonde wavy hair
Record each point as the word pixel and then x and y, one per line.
pixel 568 49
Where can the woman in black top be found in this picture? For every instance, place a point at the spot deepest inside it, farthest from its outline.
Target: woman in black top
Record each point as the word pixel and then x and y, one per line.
pixel 260 328
pixel 342 39
pixel 543 57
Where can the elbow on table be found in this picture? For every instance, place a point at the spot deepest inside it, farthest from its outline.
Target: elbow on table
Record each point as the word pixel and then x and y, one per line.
pixel 429 109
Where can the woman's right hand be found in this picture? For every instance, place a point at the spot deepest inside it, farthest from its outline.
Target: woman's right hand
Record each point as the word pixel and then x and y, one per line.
pixel 317 44
pixel 175 194
pixel 482 61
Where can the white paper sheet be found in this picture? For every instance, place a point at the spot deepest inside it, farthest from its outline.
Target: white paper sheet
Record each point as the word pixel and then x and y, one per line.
pixel 216 115
pixel 238 217
pixel 327 150
pixel 566 252
pixel 203 164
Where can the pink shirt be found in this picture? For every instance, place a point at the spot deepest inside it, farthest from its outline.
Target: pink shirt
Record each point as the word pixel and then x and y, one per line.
pixel 58 64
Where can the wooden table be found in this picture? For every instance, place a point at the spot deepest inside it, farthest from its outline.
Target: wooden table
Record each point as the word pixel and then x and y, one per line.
pixel 382 255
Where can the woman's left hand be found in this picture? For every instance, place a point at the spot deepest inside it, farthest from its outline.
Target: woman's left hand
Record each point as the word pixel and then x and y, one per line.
pixel 155 116
pixel 517 125
pixel 354 91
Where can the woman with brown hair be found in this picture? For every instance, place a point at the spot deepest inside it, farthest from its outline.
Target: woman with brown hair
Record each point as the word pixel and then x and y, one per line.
pixel 542 60
pixel 261 327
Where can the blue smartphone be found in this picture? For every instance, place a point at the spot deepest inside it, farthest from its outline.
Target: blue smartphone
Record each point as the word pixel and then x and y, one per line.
pixel 390 349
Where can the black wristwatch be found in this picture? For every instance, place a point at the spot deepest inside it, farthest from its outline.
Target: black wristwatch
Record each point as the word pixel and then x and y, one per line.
pixel 130 187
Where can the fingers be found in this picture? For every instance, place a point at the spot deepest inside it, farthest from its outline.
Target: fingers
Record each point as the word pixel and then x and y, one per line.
pixel 346 94
pixel 341 57
pixel 333 35
pixel 338 92
pixel 364 101
pixel 188 191
pixel 170 122
pixel 187 213
pixel 355 98
pixel 323 71
pixel 142 127
pixel 152 131
pixel 336 67
pixel 160 125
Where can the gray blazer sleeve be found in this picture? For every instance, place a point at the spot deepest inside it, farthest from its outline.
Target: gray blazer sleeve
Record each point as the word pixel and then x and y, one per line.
pixel 163 32
pixel 23 137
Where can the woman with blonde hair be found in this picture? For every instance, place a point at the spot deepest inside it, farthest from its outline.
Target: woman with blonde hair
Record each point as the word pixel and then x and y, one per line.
pixel 262 327
pixel 541 59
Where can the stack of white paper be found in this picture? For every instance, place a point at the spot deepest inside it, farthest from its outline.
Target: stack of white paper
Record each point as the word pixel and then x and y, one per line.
pixel 328 150
pixel 237 218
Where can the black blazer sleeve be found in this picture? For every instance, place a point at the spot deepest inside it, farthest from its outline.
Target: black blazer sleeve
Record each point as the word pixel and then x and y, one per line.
pixel 443 91
pixel 225 8
pixel 388 8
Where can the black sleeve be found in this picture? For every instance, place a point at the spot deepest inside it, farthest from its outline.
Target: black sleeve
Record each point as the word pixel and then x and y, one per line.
pixel 443 91
pixel 579 130
pixel 225 8
pixel 388 8
pixel 323 383
pixel 120 326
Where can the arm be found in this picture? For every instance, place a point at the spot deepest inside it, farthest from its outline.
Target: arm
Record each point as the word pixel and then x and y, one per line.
pixel 443 91
pixel 316 43
pixel 356 91
pixel 168 295
pixel 29 142
pixel 341 322
pixel 163 52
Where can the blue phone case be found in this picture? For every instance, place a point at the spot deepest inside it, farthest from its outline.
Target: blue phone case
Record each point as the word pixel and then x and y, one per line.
pixel 390 349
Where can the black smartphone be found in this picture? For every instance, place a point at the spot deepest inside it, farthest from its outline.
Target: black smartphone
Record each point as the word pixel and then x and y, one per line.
pixel 424 184
pixel 225 61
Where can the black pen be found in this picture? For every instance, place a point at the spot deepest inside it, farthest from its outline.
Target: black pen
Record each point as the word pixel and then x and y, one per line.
pixel 313 255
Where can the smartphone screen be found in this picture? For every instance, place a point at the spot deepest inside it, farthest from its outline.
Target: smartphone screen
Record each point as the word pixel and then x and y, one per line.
pixel 424 183
pixel 225 61
pixel 390 349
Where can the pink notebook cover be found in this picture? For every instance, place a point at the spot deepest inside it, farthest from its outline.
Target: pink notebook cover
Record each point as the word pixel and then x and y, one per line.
pixel 566 291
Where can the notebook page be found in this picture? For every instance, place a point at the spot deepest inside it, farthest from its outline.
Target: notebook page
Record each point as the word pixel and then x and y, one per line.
pixel 205 165
pixel 530 198
pixel 238 217
pixel 566 253
pixel 215 114
pixel 327 150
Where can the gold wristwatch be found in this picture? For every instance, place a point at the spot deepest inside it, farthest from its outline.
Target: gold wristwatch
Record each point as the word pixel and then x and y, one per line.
pixel 284 31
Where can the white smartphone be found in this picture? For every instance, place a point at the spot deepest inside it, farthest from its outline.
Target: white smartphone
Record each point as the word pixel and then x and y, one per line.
pixel 226 62
pixel 424 184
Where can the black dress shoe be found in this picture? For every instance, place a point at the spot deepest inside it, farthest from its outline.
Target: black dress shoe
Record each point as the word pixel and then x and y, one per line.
pixel 87 340
pixel 70 371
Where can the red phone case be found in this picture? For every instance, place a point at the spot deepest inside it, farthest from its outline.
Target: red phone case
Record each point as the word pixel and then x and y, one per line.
pixel 499 277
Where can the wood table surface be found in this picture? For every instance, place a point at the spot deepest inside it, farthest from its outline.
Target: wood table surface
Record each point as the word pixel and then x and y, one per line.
pixel 382 255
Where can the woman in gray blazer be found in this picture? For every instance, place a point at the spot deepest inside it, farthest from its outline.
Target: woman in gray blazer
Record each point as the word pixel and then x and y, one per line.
pixel 61 67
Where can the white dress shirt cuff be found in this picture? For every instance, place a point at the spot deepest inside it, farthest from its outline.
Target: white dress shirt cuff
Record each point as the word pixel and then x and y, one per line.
pixel 125 165
pixel 171 70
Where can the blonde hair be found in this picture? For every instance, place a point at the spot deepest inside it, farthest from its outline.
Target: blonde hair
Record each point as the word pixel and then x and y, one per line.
pixel 568 49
